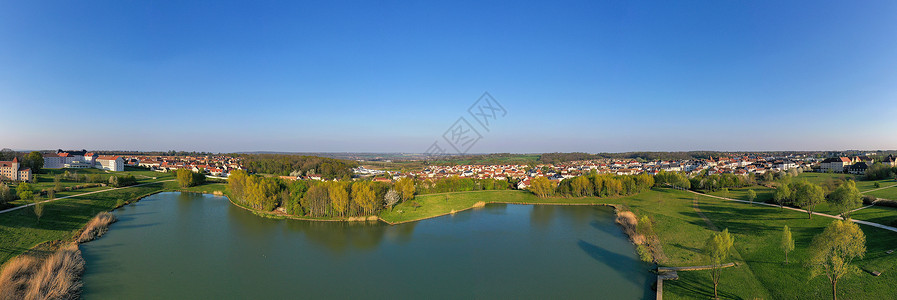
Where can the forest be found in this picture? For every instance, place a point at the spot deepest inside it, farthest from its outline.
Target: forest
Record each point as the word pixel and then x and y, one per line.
pixel 296 165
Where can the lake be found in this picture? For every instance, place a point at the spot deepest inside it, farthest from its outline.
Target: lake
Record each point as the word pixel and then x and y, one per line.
pixel 185 245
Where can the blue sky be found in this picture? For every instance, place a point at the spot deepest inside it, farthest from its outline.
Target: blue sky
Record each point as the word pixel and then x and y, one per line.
pixel 392 76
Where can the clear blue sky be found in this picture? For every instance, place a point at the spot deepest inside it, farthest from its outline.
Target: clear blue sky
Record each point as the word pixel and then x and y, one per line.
pixel 392 76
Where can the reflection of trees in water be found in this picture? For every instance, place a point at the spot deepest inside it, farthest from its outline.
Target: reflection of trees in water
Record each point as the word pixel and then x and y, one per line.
pixel 341 236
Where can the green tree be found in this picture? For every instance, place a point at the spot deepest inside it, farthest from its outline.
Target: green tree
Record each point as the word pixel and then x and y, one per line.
pixel 725 193
pixel 187 178
pixel 541 186
pixel 846 198
pixel 783 194
pixel 834 249
pixel 718 248
pixel 24 191
pixel 35 161
pixel 339 198
pixel 751 195
pixel 363 195
pixel 405 187
pixel 6 194
pixel 787 242
pixel 807 195
pixel 38 208
pixel 580 186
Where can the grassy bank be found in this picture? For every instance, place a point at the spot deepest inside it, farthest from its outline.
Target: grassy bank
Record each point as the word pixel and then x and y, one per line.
pixel 63 219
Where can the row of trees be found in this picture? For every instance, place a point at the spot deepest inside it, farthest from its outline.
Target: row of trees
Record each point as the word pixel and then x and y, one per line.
pixel 592 185
pixel 880 171
pixel 457 184
pixel 283 164
pixel 122 180
pixel 806 195
pixel 315 198
pixel 721 181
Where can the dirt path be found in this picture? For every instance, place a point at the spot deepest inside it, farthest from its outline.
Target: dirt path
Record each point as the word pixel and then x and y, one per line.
pixel 82 194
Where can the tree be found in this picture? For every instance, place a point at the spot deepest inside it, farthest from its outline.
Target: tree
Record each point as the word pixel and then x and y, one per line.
pixel 834 249
pixel 806 195
pixel 363 195
pixel 787 242
pixel 187 178
pixel 783 194
pixel 846 198
pixel 24 191
pixel 38 208
pixel 405 187
pixel 392 197
pixel 339 198
pixel 35 161
pixel 725 193
pixel 6 194
pixel 541 186
pixel 580 186
pixel 751 195
pixel 718 248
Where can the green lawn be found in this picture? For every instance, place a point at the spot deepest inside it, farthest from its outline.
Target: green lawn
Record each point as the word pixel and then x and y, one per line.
pixel 887 193
pixel 878 214
pixel 764 194
pixel 862 185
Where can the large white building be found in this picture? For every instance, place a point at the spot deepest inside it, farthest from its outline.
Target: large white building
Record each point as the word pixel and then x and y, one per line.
pixel 82 160
pixel 111 163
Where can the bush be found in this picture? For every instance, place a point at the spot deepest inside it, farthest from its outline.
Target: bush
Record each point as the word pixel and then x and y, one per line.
pixel 643 253
pixel 59 276
pixel 867 200
pixel 97 227
pixel 16 275
pixel 885 202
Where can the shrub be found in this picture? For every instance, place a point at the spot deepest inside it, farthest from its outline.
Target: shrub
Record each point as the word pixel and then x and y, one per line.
pixel 59 276
pixel 867 199
pixel 97 227
pixel 643 253
pixel 886 202
pixel 16 275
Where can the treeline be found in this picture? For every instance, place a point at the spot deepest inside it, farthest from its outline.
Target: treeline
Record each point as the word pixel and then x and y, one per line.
pixel 557 157
pixel 880 171
pixel 717 182
pixel 287 164
pixel 486 159
pixel 605 185
pixel 341 198
pixel 457 184
pixel 122 180
pixel 806 195
pixel 315 198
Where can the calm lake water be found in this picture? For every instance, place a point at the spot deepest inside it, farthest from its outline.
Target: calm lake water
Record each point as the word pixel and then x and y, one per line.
pixel 189 246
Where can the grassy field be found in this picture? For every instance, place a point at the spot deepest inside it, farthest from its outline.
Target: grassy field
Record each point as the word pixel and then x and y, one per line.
pixel 45 180
pixel 862 185
pixel 886 193
pixel 756 229
pixel 20 229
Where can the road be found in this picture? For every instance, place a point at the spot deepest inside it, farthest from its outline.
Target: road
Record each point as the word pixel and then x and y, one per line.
pixel 82 194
